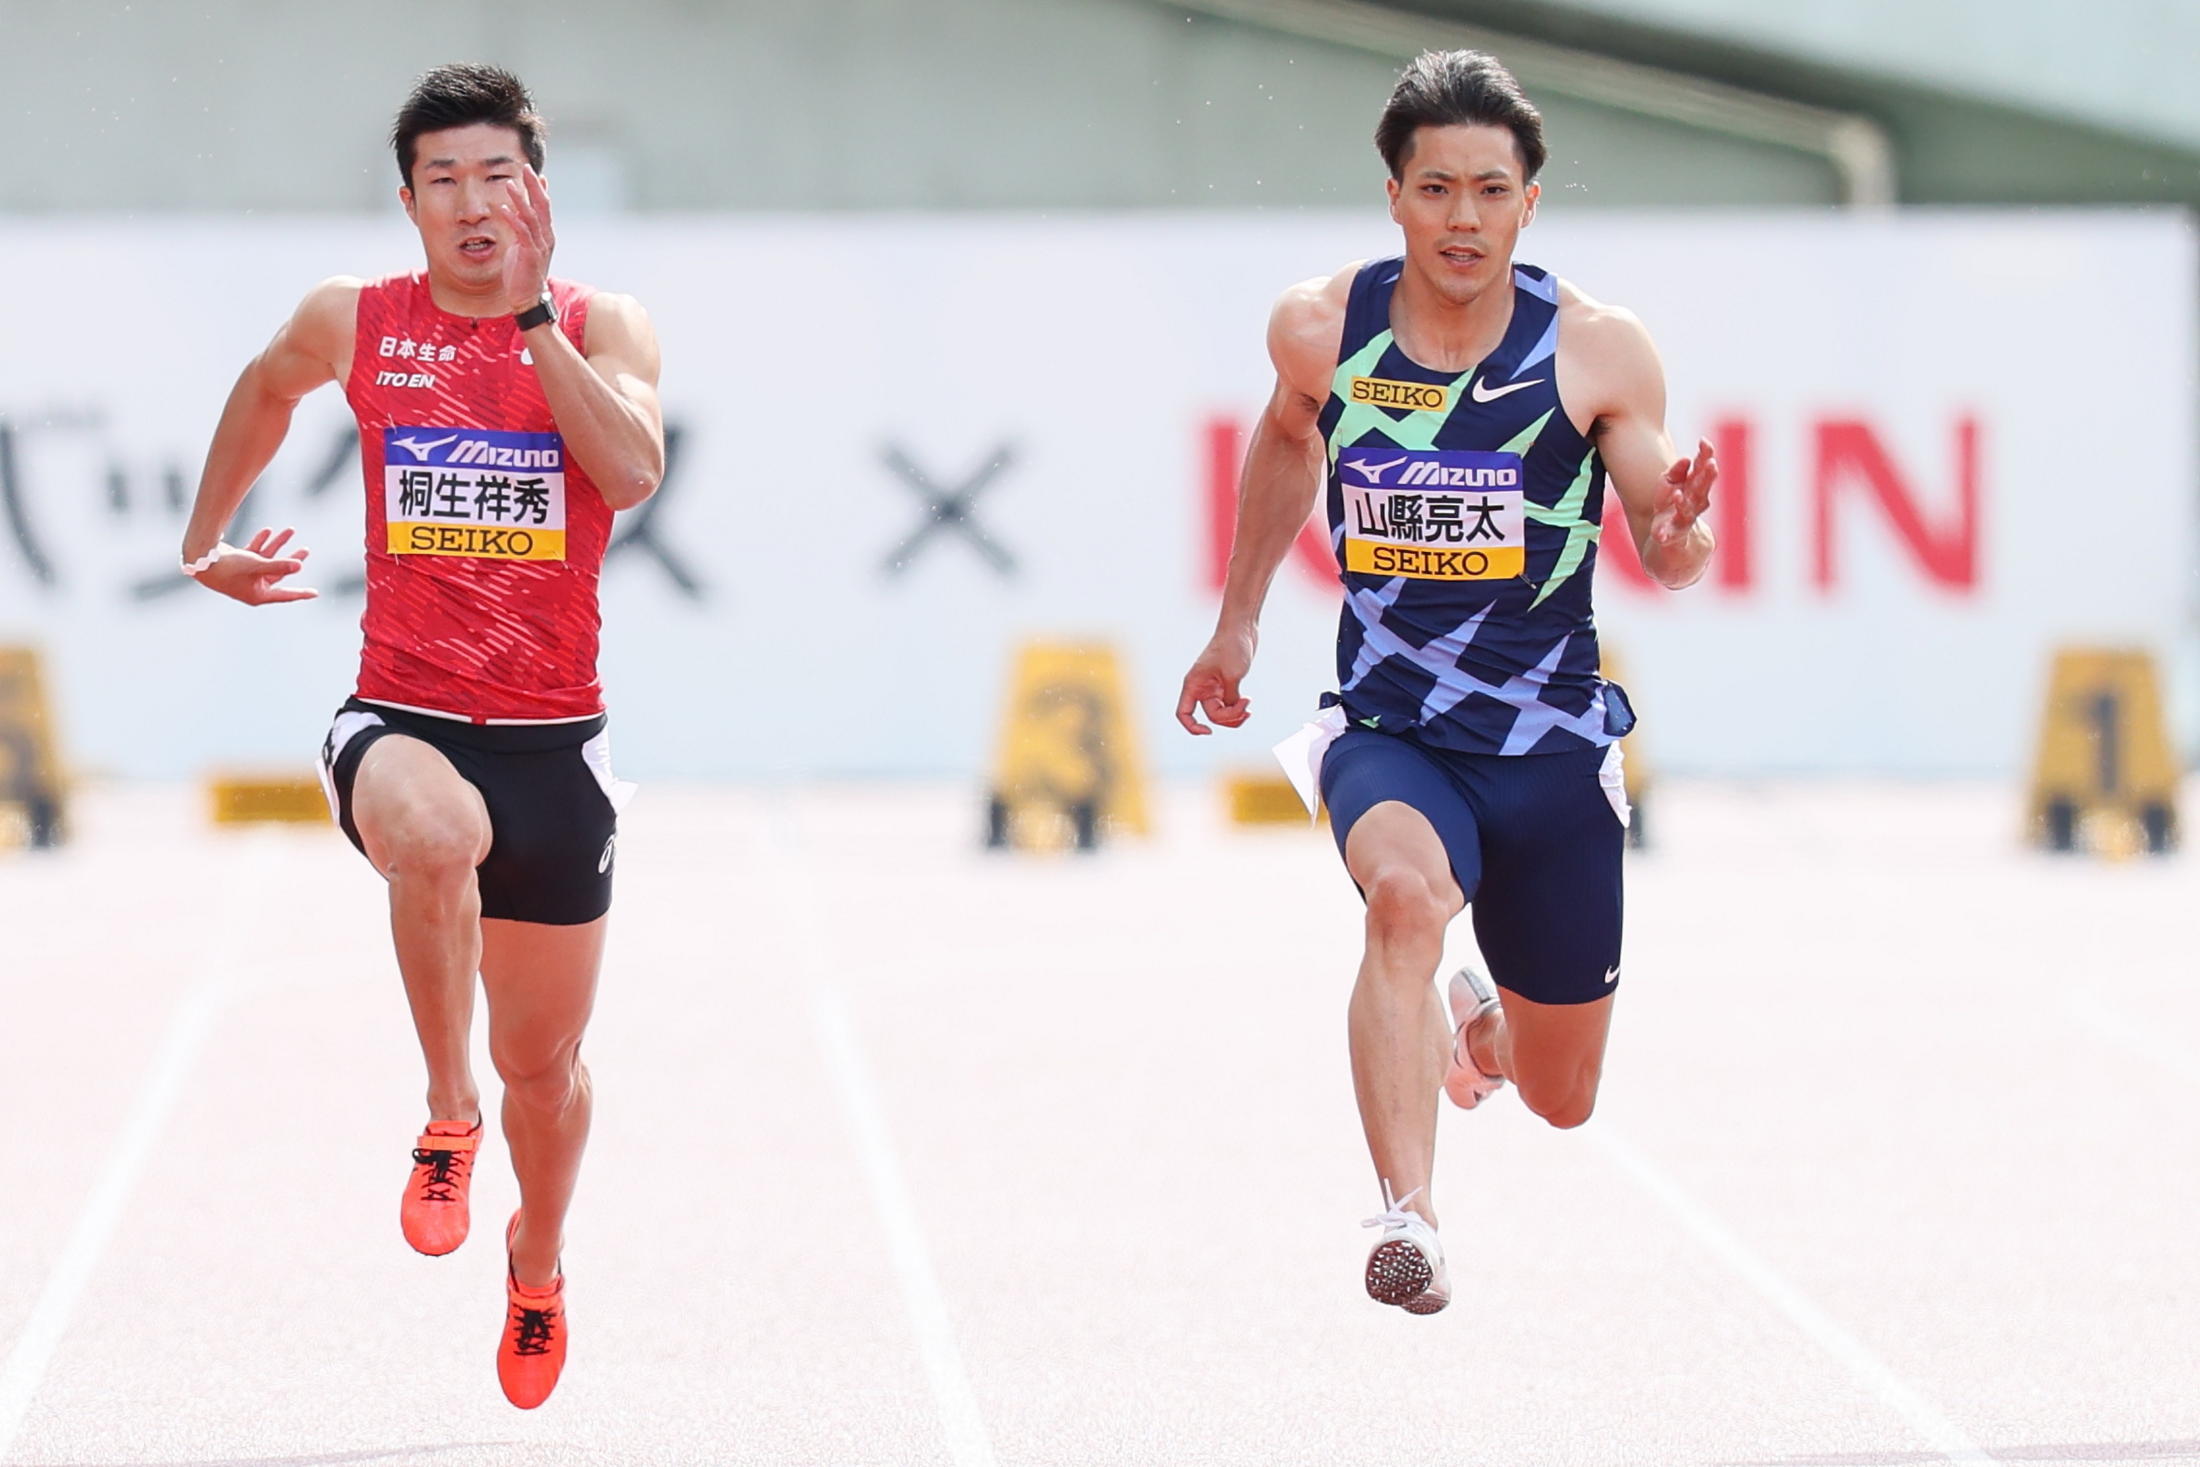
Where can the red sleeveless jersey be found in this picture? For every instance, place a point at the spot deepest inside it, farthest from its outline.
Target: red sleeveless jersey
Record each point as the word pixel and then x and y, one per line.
pixel 484 541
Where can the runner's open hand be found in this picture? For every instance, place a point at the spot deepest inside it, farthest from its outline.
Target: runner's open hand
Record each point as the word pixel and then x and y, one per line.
pixel 526 211
pixel 1212 683
pixel 254 575
pixel 1685 495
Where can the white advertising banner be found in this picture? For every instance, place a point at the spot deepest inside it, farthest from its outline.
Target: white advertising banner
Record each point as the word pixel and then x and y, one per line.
pixel 903 444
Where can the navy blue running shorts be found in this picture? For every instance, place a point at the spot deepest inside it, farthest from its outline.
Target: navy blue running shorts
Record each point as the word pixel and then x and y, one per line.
pixel 1535 844
pixel 548 788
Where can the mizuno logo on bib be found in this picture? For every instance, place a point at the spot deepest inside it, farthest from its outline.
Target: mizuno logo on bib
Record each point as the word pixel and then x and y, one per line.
pixel 1433 514
pixel 474 492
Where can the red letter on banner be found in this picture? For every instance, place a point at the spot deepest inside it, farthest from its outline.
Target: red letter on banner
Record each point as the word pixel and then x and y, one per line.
pixel 1225 456
pixel 1848 450
pixel 1732 564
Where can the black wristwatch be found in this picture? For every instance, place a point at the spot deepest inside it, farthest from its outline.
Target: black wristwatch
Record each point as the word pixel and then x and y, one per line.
pixel 541 313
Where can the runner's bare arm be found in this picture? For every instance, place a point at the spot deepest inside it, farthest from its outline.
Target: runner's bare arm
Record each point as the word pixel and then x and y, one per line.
pixel 605 403
pixel 1663 493
pixel 617 422
pixel 313 347
pixel 1276 492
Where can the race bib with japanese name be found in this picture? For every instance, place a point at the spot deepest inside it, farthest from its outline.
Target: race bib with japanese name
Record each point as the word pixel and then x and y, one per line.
pixel 474 492
pixel 1439 514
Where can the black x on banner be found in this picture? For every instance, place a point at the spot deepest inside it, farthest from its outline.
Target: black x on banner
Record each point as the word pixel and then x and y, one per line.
pixel 11 502
pixel 949 509
pixel 637 530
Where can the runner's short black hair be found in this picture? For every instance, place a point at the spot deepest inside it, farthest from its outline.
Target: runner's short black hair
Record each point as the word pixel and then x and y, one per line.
pixel 1448 88
pixel 458 95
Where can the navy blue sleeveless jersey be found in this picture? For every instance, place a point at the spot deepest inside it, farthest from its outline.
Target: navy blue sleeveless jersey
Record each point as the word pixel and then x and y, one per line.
pixel 1465 511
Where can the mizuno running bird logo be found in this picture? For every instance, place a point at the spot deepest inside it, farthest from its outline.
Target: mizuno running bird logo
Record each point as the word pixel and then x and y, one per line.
pixel 420 449
pixel 1374 472
pixel 1482 394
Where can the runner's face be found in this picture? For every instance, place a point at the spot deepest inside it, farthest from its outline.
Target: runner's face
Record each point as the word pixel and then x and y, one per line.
pixel 458 179
pixel 1462 204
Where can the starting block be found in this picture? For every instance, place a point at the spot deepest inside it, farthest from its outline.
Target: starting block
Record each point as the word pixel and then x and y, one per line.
pixel 1261 798
pixel 32 805
pixel 2105 780
pixel 239 798
pixel 1068 767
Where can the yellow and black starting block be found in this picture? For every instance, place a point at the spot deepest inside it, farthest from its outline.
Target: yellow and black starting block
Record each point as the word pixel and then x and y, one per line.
pixel 242 797
pixel 2106 779
pixel 33 804
pixel 1068 769
pixel 1263 797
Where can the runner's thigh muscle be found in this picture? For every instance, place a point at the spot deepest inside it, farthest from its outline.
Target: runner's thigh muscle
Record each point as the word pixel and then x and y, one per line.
pixel 407 797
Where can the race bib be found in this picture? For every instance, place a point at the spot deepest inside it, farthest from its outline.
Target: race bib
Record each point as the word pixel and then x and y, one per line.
pixel 474 492
pixel 1439 514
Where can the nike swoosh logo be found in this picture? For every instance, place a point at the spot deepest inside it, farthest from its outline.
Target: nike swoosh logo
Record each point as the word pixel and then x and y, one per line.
pixel 1479 395
pixel 1611 975
pixel 418 449
pixel 604 864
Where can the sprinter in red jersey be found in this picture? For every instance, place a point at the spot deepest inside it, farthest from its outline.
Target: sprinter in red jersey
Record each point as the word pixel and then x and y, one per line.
pixel 503 418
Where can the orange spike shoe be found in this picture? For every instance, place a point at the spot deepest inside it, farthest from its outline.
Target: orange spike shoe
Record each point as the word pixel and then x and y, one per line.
pixel 532 1351
pixel 435 1215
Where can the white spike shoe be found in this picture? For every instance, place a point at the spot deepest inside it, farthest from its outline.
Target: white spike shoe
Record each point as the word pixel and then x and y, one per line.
pixel 1471 996
pixel 1406 1267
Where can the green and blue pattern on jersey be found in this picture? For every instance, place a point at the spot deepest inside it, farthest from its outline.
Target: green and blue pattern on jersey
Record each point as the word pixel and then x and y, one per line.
pixel 1465 510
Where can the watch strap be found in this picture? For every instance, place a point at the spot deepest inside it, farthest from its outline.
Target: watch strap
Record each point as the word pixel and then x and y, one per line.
pixel 541 313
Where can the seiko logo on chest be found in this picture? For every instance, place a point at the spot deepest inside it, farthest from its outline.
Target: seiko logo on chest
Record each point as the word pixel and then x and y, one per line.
pixel 1418 397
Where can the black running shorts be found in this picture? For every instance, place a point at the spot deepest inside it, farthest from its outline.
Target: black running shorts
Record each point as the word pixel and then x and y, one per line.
pixel 549 790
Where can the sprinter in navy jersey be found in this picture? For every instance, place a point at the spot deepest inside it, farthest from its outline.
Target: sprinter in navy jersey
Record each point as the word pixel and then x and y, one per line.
pixel 1466 414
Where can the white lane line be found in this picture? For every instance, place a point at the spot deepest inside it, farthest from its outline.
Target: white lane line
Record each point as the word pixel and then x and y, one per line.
pixel 961 1424
pixel 240 883
pixel 1925 1418
pixel 2155 1044
pixel 34 1348
pixel 967 1443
